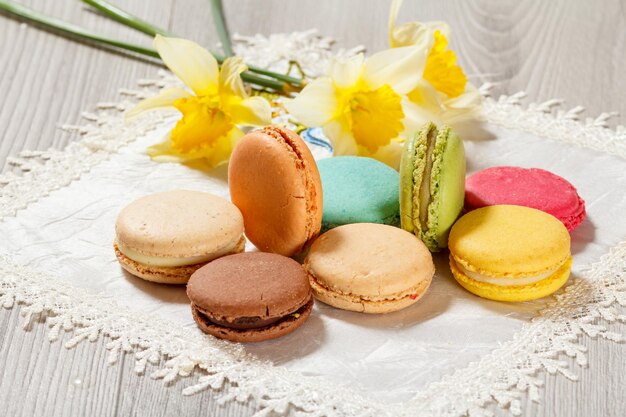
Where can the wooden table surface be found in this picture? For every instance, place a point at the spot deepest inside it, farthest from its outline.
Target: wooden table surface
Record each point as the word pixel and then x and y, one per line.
pixel 574 50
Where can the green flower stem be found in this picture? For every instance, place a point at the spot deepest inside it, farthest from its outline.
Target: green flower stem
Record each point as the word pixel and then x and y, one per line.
pixel 128 19
pixel 220 25
pixel 69 28
pixel 77 31
pixel 125 18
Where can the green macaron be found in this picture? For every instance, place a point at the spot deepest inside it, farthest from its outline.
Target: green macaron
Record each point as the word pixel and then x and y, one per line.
pixel 358 190
pixel 432 184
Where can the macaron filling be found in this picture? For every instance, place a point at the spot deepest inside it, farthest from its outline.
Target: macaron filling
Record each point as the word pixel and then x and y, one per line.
pixel 173 261
pixel 250 323
pixel 412 293
pixel 422 192
pixel 432 176
pixel 507 281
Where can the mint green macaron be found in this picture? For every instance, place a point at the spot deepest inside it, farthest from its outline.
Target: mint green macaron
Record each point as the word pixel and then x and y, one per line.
pixel 358 190
pixel 432 184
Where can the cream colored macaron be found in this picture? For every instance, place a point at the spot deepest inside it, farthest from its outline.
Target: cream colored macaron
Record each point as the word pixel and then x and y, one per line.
pixel 370 268
pixel 165 237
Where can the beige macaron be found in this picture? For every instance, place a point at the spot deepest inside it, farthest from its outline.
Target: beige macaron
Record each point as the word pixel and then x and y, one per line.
pixel 370 268
pixel 165 237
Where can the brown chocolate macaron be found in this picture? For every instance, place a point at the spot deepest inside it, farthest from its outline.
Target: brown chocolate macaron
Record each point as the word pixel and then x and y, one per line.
pixel 274 181
pixel 250 297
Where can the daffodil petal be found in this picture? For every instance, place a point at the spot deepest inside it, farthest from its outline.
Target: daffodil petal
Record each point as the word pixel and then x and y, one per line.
pixel 338 131
pixel 416 33
pixel 389 154
pixel 193 64
pixel 252 111
pixel 400 68
pixel 346 72
pixel 470 98
pixel 221 152
pixel 440 26
pixel 393 16
pixel 465 107
pixel 165 98
pixel 316 104
pixel 230 77
pixel 416 115
pixel 412 33
pixel 425 95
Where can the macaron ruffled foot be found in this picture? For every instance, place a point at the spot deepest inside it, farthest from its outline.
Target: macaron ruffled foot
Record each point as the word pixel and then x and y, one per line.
pixel 165 237
pixel 250 297
pixel 369 268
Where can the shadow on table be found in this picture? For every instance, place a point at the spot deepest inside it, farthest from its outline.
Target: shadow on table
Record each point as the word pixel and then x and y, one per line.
pixel 475 131
pixel 435 302
pixel 583 235
pixel 167 293
pixel 300 343
pixel 219 172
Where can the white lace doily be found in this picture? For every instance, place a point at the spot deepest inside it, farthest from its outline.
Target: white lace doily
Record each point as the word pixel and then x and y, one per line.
pixel 450 355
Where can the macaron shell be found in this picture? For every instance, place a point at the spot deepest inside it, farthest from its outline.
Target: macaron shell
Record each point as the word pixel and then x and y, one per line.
pixel 410 174
pixel 279 329
pixel 445 166
pixel 313 181
pixel 511 293
pixel 179 223
pixel 274 181
pixel 252 284
pixel 509 241
pixel 447 188
pixel 369 259
pixel 571 222
pixel 530 187
pixel 359 304
pixel 358 190
pixel 163 275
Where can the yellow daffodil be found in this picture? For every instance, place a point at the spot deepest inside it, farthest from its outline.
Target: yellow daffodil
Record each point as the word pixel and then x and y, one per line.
pixel 360 102
pixel 443 95
pixel 211 117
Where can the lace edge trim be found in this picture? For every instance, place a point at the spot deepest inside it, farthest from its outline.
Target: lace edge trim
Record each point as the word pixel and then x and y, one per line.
pixel 584 307
pixel 550 120
pixel 553 334
pixel 103 132
pixel 501 377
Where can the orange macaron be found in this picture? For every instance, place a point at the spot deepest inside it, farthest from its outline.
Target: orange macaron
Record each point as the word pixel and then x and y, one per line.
pixel 274 181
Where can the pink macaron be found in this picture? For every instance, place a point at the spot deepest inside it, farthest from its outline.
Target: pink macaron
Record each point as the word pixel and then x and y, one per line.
pixel 530 187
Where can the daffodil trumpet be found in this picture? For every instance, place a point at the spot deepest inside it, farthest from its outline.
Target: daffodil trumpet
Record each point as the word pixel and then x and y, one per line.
pixel 213 112
pixel 444 94
pixel 360 102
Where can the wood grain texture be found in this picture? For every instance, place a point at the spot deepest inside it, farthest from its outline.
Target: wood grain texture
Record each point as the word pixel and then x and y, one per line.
pixel 575 50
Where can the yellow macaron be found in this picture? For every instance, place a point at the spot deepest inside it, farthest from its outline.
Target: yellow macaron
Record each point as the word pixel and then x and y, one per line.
pixel 510 253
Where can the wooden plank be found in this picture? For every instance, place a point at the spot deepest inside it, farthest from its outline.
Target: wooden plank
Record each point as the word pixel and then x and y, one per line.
pixel 47 80
pixel 44 379
pixel 562 49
